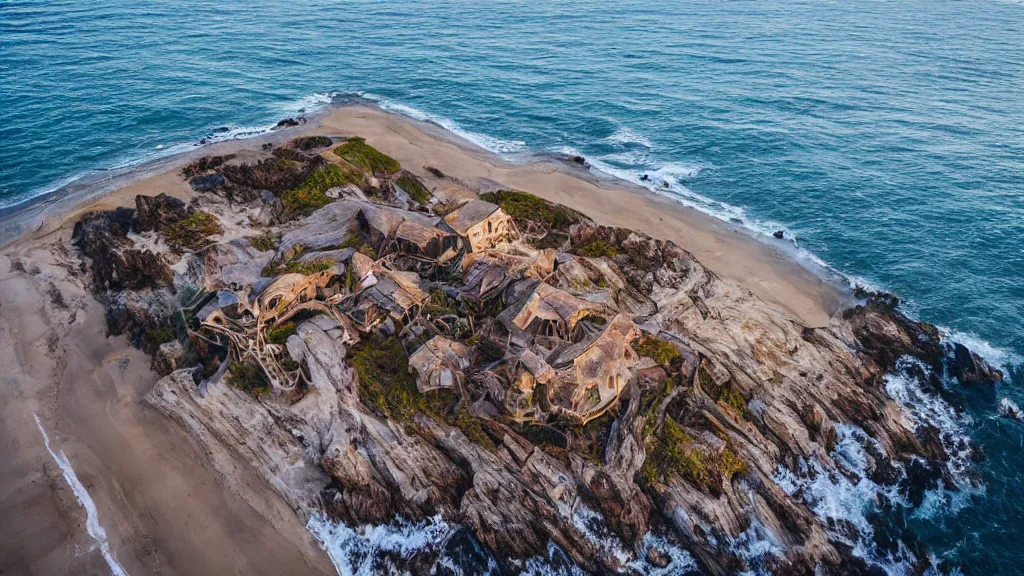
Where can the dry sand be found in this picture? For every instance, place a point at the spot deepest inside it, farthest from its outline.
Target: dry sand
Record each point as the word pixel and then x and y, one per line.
pixel 726 249
pixel 164 508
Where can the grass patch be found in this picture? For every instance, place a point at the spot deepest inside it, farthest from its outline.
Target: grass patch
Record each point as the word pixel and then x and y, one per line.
pixel 306 143
pixel 597 249
pixel 193 232
pixel 266 242
pixel 310 267
pixel 387 386
pixel 279 334
pixel 658 350
pixel 358 153
pixel 522 206
pixel 161 335
pixel 248 376
pixel 312 193
pixel 414 188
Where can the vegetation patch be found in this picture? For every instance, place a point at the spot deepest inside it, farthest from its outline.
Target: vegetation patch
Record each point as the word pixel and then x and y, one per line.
pixel 312 193
pixel 658 350
pixel 472 428
pixel 309 267
pixel 279 334
pixel 266 242
pixel 307 143
pixel 387 386
pixel 527 207
pixel 729 396
pixel 248 376
pixel 358 153
pixel 414 188
pixel 674 453
pixel 192 232
pixel 597 249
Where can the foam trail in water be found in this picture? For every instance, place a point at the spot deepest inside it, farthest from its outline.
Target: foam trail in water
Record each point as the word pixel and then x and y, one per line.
pixel 490 143
pixel 92 521
pixel 364 550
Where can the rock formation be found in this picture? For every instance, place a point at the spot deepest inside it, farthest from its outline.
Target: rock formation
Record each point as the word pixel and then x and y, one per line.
pixel 611 387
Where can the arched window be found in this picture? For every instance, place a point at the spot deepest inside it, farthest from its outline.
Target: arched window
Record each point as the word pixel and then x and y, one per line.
pixel 490 227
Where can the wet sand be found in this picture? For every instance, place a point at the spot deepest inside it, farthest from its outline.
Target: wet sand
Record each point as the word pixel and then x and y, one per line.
pixel 164 507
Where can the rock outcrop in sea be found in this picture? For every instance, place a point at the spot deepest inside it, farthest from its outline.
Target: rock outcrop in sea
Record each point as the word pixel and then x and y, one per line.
pixel 571 384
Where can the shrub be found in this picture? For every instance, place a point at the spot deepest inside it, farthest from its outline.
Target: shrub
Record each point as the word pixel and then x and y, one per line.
pixel 385 383
pixel 312 193
pixel 309 267
pixel 279 334
pixel 306 143
pixel 192 232
pixel 598 248
pixel 658 350
pixel 414 188
pixel 358 153
pixel 266 242
pixel 675 453
pixel 522 206
pixel 248 376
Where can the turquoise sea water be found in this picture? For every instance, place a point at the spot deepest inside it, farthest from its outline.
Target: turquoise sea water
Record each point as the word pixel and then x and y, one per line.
pixel 886 137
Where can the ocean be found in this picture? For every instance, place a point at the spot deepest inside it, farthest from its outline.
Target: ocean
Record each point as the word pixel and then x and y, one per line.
pixel 886 139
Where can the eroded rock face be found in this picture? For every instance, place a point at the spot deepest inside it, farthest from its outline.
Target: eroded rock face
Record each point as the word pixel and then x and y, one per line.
pixel 115 263
pixel 158 212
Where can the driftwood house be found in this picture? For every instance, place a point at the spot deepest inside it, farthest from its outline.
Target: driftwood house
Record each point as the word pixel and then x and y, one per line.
pixel 440 363
pixel 482 224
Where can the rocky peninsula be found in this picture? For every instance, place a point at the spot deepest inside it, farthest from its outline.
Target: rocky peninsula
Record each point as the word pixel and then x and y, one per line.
pixel 354 324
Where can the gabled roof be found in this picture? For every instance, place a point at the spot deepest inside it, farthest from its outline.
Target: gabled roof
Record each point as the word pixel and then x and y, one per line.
pixel 544 300
pixel 470 214
pixel 619 327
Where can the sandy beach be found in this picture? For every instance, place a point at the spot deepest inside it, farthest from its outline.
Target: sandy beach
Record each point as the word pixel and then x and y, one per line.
pixel 164 508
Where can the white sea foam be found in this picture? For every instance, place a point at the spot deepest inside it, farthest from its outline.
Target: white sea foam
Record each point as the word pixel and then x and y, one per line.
pixel 490 143
pixel 92 520
pixel 626 135
pixel 363 551
pixel 842 498
pixel 996 357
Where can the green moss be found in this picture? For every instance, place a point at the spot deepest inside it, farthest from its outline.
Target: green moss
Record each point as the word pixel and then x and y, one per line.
pixel 358 153
pixel 472 428
pixel 161 335
pixel 193 232
pixel 266 242
pixel 674 453
pixel 414 188
pixel 353 241
pixel 522 206
pixel 387 386
pixel 310 267
pixel 658 350
pixel 312 193
pixel 248 376
pixel 729 396
pixel 597 249
pixel 279 334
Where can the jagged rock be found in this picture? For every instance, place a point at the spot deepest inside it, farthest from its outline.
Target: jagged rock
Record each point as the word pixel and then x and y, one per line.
pixel 158 212
pixel 168 357
pixel 1009 409
pixel 102 237
pixel 970 369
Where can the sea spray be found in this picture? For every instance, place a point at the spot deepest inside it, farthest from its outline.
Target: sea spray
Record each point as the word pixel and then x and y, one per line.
pixel 92 521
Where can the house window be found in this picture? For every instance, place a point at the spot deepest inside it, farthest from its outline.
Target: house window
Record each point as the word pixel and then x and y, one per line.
pixel 490 227
pixel 611 382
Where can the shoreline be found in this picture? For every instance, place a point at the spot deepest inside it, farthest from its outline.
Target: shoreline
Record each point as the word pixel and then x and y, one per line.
pixel 772 270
